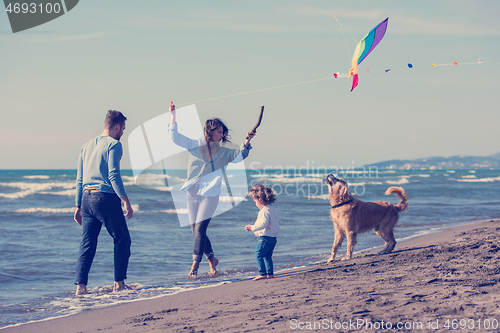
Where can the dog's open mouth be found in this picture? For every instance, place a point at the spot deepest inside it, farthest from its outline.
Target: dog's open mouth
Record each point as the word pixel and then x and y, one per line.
pixel 331 180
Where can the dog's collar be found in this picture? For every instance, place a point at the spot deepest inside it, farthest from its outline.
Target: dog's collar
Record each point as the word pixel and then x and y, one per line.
pixel 340 205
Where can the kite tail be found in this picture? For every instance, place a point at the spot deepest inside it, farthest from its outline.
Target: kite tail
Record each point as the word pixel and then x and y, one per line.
pixel 354 81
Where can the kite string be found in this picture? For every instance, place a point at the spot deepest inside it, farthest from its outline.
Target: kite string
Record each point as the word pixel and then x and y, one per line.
pixel 315 80
pixel 342 29
pixel 434 65
pixel 254 91
pixel 283 86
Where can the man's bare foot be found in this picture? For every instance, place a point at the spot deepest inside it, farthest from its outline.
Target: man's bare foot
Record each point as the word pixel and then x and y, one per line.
pixel 193 274
pixel 270 276
pixel 81 289
pixel 260 277
pixel 120 285
pixel 213 262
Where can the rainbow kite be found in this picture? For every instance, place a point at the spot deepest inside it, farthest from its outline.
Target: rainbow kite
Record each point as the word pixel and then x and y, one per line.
pixel 364 48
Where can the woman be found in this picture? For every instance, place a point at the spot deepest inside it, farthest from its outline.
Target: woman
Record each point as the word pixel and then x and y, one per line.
pixel 207 163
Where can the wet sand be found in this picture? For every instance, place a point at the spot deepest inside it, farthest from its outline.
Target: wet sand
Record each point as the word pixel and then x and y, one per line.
pixel 446 279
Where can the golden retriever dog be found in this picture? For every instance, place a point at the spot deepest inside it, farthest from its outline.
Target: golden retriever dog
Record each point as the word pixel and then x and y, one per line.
pixel 352 216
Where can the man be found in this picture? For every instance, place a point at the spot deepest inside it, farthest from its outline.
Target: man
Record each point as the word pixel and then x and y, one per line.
pixel 99 189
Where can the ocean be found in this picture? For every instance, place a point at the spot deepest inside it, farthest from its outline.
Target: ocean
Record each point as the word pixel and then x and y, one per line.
pixel 39 239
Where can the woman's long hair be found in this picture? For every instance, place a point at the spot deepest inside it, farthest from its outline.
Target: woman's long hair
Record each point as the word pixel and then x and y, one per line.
pixel 211 147
pixel 213 124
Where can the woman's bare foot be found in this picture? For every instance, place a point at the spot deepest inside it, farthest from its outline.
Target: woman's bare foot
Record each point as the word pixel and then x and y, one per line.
pixel 194 270
pixel 81 289
pixel 213 262
pixel 120 285
pixel 270 276
pixel 260 277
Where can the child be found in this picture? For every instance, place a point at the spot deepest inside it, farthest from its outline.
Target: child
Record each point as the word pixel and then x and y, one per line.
pixel 266 228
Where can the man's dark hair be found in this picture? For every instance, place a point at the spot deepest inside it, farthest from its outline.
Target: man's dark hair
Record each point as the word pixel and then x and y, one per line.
pixel 113 118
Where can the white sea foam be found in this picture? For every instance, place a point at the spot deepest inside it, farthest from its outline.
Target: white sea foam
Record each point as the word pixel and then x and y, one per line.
pixel 174 211
pixel 44 210
pixel 322 197
pixel 153 181
pixel 100 297
pixel 159 188
pixel 356 184
pixel 69 193
pixel 38 186
pixel 317 175
pixel 37 177
pixel 479 180
pixel 364 183
pixel 32 188
pixel 226 198
pixel 470 177
pixel 398 182
pixel 271 175
pixel 344 172
pixel 16 195
pixel 292 179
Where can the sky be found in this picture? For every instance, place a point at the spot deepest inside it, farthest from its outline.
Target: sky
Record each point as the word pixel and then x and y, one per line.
pixel 58 80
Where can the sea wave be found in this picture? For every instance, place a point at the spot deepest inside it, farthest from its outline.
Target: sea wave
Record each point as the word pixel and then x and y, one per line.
pixel 37 177
pixel 69 193
pixel 398 182
pixel 173 211
pixel 364 183
pixel 152 179
pixel 281 179
pixel 16 195
pixel 321 197
pixel 265 175
pixel 479 180
pixel 44 210
pixel 67 304
pixel 158 188
pixel 32 188
pixel 226 198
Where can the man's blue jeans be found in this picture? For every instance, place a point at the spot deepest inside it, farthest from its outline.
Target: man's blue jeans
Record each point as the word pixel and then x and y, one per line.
pixel 264 254
pixel 100 208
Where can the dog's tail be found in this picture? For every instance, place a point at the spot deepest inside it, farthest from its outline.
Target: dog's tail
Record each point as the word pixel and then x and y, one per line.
pixel 401 194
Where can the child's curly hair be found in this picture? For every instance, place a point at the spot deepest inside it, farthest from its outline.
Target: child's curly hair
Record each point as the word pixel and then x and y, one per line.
pixel 265 195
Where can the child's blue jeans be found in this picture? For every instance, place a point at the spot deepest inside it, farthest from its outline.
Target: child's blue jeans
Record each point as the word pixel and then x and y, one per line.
pixel 264 253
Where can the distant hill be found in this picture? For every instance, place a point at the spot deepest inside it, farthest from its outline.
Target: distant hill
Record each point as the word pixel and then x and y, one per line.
pixel 436 162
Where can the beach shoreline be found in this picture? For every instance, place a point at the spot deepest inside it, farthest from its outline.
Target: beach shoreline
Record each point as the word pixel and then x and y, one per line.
pixel 434 278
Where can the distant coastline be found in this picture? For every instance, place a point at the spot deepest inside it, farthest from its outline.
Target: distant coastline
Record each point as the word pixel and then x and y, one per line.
pixel 463 162
pixel 443 163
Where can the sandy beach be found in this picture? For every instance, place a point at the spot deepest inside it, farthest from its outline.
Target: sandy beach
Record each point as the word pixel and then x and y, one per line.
pixel 439 282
